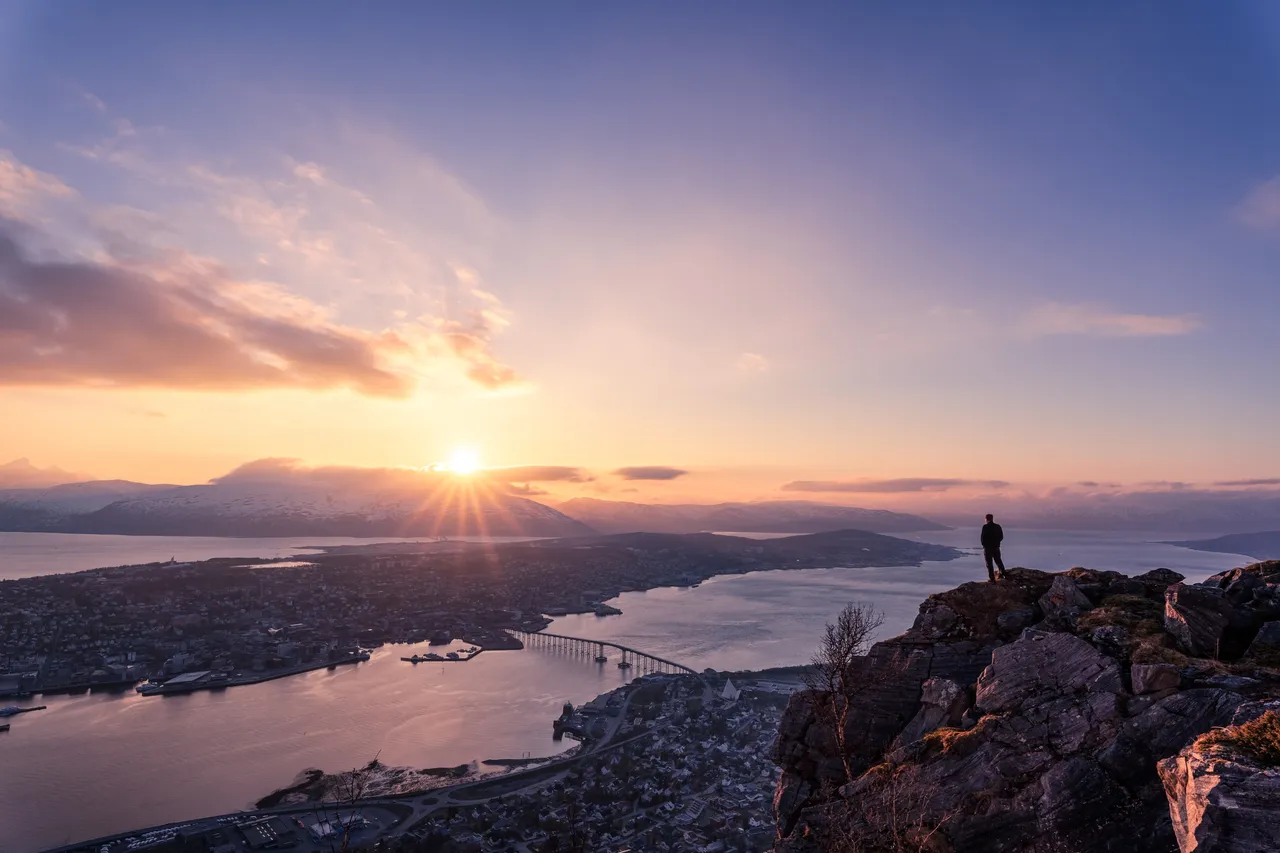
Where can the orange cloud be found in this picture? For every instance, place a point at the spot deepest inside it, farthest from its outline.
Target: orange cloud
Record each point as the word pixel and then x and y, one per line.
pixel 184 322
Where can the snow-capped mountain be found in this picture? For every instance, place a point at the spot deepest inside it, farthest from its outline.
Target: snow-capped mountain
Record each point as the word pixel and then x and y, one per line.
pixel 54 507
pixel 273 498
pixel 234 509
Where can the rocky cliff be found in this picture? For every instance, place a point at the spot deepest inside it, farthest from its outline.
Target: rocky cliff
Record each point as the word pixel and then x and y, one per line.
pixel 1083 711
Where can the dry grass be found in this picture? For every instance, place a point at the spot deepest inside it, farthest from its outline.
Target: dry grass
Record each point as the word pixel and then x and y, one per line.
pixel 953 742
pixel 979 604
pixel 1258 740
pixel 1157 648
pixel 1142 616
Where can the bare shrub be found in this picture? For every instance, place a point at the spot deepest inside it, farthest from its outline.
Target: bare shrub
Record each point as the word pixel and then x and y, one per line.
pixel 890 809
pixel 342 803
pixel 837 677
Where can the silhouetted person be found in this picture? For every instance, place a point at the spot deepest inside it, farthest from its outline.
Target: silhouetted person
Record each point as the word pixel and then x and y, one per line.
pixel 992 536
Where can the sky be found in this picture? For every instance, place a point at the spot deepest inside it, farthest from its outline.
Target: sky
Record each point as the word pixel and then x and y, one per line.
pixel 846 252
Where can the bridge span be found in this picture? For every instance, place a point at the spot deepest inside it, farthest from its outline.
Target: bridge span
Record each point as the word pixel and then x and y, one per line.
pixel 585 647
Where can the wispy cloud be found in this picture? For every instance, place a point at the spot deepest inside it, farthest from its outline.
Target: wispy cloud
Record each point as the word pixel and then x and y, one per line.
pixel 895 486
pixel 540 474
pixel 1261 207
pixel 1057 318
pixel 650 472
pixel 21 186
pixel 1258 481
pixel 326 249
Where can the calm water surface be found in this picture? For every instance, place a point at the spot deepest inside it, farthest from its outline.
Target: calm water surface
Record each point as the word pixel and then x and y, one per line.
pixel 95 764
pixel 25 555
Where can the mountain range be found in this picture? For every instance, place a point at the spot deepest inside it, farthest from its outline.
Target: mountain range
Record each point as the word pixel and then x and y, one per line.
pixel 283 498
pixel 21 474
pixel 284 501
pixel 280 497
pixel 759 517
pixel 1172 509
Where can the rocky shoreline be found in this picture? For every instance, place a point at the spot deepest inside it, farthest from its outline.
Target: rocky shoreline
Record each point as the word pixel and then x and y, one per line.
pixel 1082 711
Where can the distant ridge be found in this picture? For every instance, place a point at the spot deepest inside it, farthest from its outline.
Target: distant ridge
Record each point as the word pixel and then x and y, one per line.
pixel 1260 546
pixel 21 474
pixel 254 508
pixel 758 517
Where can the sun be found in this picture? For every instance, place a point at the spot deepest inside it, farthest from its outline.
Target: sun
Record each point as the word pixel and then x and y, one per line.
pixel 464 461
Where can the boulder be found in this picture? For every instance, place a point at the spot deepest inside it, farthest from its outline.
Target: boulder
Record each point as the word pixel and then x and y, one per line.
pixel 942 703
pixel 1156 581
pixel 1129 586
pixel 1268 571
pixel 1240 590
pixel 1197 617
pixel 935 620
pixel 1265 648
pixel 1064 602
pixel 1112 639
pixel 1011 622
pixel 1163 728
pixel 1037 668
pixel 1222 796
pixel 1221 806
pixel 1154 677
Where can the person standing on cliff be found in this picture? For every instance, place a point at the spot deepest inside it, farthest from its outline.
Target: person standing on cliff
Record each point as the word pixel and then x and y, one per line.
pixel 992 536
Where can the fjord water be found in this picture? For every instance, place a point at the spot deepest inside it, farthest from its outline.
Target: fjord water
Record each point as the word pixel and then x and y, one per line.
pixel 97 764
pixel 26 555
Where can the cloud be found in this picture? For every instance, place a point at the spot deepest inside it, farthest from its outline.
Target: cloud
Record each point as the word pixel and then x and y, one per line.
pixel 540 474
pixel 649 472
pixel 1172 485
pixel 1261 207
pixel 525 490
pixel 278 471
pixel 1259 481
pixel 752 364
pixel 21 186
pixel 896 486
pixel 1057 318
pixel 363 225
pixel 180 321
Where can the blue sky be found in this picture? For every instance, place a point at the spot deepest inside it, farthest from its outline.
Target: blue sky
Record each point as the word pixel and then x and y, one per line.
pixel 762 242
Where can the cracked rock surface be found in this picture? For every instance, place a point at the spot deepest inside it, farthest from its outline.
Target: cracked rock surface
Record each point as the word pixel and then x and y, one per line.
pixel 1045 714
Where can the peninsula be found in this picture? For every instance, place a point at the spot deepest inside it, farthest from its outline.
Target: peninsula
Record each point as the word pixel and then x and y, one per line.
pixel 240 620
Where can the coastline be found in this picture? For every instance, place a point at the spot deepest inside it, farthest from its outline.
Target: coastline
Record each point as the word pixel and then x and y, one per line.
pixel 416 803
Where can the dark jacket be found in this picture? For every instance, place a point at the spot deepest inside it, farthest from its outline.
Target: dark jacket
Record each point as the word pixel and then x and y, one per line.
pixel 992 536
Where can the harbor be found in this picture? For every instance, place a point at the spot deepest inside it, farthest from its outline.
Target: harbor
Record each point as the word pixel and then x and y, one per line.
pixel 448 657
pixel 189 682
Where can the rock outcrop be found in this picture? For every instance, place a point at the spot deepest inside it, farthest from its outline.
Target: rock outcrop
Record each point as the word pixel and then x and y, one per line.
pixel 1197 617
pixel 1224 789
pixel 1030 715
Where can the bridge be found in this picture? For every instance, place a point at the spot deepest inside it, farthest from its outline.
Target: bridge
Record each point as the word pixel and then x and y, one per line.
pixel 585 648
